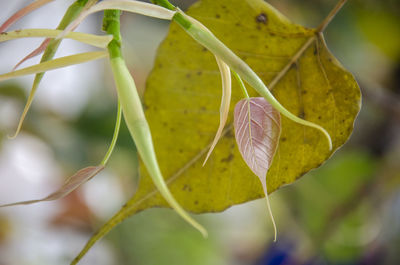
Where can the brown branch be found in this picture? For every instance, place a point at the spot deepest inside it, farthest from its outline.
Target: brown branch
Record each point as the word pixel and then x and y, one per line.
pixel 330 16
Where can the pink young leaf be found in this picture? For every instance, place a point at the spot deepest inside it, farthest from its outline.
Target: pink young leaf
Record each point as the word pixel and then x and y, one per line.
pixel 23 12
pixel 257 130
pixel 69 185
pixel 34 53
pixel 37 51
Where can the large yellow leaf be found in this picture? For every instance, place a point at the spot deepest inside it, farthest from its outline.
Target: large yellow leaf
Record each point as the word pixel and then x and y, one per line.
pixel 182 106
pixel 182 101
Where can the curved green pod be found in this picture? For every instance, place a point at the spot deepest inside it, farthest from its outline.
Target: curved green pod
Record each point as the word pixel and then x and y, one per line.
pixel 140 132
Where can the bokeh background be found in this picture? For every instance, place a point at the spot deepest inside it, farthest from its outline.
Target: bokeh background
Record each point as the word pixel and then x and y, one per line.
pixel 345 212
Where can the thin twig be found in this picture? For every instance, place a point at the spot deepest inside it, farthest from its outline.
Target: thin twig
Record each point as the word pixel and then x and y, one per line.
pixel 330 16
pixel 307 44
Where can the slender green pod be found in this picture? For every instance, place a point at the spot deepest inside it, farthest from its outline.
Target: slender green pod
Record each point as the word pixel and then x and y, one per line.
pixel 134 116
pixel 206 38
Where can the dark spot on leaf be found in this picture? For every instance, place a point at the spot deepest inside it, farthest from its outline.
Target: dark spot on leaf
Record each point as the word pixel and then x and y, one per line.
pixel 272 34
pixel 319 117
pixel 223 6
pixel 223 169
pixel 315 50
pixel 228 158
pixel 238 24
pixel 180 150
pixel 204 49
pixel 196 202
pixel 160 65
pixel 203 108
pixel 188 75
pixel 283 139
pixel 229 134
pixel 187 188
pixel 199 73
pixel 304 92
pixel 185 111
pixel 165 123
pixel 262 18
pixel 217 16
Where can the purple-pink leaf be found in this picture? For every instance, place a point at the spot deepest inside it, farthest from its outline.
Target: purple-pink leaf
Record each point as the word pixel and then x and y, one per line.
pixel 23 12
pixel 34 53
pixel 257 130
pixel 69 185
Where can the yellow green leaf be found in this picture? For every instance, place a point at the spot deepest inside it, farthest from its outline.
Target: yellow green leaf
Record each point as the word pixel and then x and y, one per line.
pixel 182 108
pixel 315 87
pixel 55 64
pixel 91 39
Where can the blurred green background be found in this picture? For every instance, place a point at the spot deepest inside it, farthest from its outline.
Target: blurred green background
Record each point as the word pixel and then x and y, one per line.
pixel 345 212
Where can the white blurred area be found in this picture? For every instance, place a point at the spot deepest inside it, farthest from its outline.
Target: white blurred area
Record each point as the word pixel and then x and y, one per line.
pixel 28 167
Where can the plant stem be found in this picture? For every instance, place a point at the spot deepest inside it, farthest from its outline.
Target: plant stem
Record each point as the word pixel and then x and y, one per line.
pixel 111 25
pixel 241 84
pixel 330 16
pixel 164 3
pixel 115 136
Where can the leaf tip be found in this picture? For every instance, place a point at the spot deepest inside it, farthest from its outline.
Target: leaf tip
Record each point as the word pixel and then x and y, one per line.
pixel 12 137
pixel 208 155
pixel 204 232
